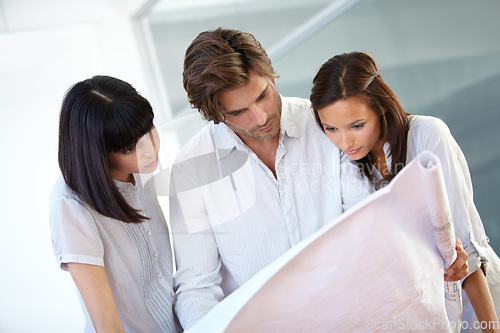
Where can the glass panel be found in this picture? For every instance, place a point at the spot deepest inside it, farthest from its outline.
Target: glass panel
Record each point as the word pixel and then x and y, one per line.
pixel 174 25
pixel 440 57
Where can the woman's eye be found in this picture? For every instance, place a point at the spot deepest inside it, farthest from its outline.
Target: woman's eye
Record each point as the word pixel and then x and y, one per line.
pixel 330 129
pixel 359 125
pixel 128 150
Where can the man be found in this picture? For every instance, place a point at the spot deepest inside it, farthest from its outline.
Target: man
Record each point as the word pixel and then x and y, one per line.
pixel 257 180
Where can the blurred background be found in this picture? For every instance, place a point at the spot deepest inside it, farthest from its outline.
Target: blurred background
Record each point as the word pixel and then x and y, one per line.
pixel 442 58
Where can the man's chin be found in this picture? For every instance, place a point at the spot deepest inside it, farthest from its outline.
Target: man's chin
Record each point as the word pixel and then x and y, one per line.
pixel 267 136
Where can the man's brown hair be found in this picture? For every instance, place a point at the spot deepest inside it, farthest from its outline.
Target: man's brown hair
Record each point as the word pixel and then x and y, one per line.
pixel 220 60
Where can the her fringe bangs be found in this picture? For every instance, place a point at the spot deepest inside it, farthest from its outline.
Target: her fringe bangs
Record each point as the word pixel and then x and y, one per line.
pixel 124 127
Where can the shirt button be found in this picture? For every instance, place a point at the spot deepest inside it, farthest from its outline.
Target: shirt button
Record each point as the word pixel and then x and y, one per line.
pixel 160 275
pixel 156 254
pixel 149 233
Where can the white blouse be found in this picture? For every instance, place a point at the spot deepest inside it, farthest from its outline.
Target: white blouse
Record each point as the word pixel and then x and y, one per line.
pixel 432 134
pixel 137 257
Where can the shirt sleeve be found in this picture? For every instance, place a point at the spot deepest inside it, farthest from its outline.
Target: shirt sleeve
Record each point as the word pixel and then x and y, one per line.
pixel 198 278
pixel 75 237
pixel 429 133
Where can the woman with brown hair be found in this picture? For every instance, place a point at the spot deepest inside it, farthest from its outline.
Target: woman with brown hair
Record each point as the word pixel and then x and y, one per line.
pixel 363 117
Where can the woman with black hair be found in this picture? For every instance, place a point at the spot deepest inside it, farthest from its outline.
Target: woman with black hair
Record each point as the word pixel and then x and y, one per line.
pixel 107 231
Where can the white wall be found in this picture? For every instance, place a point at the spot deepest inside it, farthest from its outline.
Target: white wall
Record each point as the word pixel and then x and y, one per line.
pixel 37 66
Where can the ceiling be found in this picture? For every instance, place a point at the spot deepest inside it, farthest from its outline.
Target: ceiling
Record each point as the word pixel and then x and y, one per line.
pixel 21 15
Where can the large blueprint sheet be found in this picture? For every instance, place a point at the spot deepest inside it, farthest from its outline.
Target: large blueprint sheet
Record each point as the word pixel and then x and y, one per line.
pixel 376 268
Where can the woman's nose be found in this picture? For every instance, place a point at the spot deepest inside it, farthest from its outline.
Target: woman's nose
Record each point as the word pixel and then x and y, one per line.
pixel 148 146
pixel 346 141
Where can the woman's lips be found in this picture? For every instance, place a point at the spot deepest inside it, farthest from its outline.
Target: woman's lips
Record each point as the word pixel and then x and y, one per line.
pixel 352 151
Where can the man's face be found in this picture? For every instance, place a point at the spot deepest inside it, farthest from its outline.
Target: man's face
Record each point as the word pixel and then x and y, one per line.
pixel 253 111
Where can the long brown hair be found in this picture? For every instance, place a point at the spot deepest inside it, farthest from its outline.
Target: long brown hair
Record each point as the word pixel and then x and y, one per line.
pixel 219 60
pixel 356 74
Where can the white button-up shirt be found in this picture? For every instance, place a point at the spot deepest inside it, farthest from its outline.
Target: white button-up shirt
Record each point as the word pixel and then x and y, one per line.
pixel 231 217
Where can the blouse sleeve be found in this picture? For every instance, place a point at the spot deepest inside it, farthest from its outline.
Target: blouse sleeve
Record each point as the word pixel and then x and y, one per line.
pixel 75 236
pixel 429 133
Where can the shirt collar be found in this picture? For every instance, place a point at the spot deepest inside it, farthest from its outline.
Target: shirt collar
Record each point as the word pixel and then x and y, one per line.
pixel 288 124
pixel 226 140
pixel 125 187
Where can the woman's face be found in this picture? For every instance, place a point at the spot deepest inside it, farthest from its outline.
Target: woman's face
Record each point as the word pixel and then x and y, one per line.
pixel 353 127
pixel 142 158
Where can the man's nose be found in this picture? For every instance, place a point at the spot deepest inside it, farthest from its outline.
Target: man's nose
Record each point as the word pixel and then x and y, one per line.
pixel 259 115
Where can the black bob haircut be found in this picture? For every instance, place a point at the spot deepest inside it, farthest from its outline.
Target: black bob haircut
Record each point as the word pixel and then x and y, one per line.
pixel 98 116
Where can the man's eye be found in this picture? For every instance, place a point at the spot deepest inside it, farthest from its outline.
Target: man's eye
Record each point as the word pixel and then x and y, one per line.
pixel 236 113
pixel 261 97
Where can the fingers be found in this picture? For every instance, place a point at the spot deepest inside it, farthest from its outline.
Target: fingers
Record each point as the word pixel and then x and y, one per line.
pixel 459 269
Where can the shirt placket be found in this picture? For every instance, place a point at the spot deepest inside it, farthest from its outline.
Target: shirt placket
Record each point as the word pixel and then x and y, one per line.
pixel 286 196
pixel 139 203
pixel 151 273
